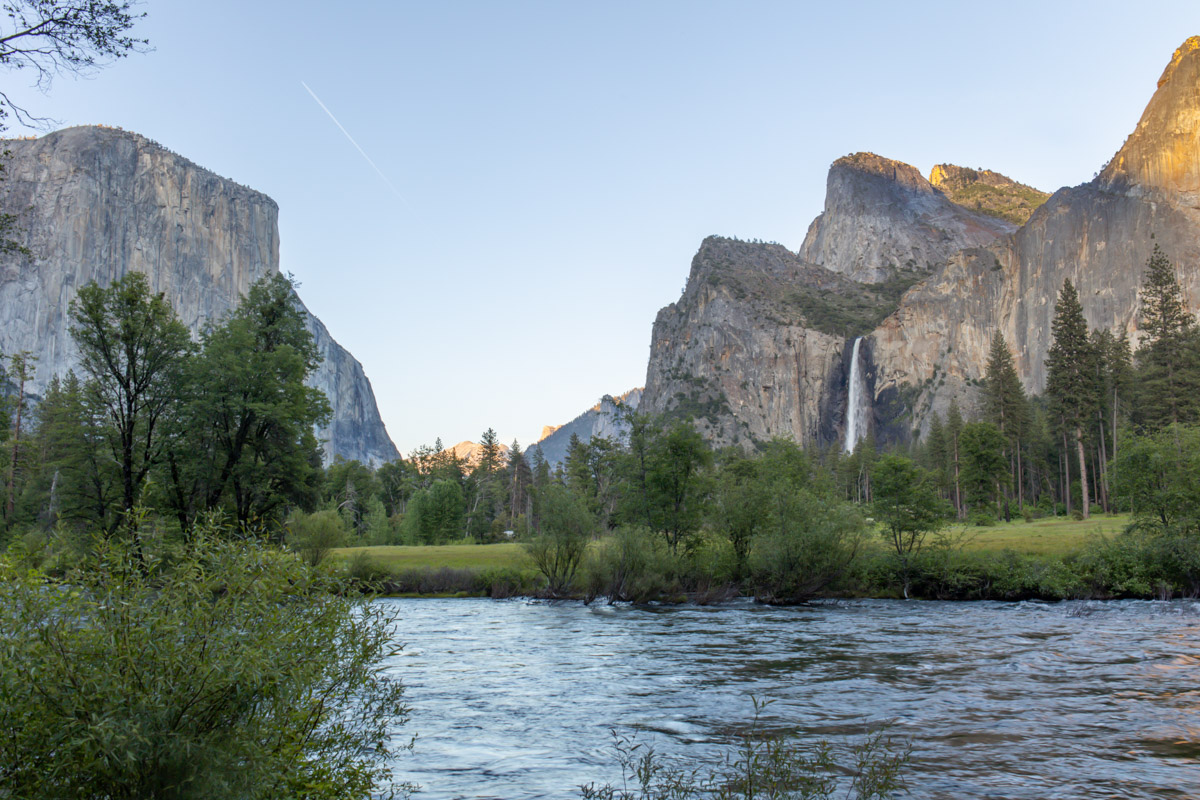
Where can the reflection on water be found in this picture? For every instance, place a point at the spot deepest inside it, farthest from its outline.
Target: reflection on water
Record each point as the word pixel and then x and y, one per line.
pixel 516 699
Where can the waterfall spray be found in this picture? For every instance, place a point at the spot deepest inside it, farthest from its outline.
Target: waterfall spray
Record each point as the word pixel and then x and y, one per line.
pixel 858 402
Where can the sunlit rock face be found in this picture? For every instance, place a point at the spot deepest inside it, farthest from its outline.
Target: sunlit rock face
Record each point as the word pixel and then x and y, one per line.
pixel 93 203
pixel 986 192
pixel 748 365
pixel 1098 235
pixel 882 216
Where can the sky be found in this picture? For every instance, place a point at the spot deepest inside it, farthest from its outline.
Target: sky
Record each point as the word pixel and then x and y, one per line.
pixel 487 202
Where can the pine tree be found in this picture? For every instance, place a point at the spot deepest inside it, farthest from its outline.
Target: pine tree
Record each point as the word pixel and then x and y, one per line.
pixel 1070 380
pixel 520 477
pixel 1006 406
pixel 1170 372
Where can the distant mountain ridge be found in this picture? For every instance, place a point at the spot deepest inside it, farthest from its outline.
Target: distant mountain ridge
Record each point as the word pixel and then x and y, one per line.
pixel 602 419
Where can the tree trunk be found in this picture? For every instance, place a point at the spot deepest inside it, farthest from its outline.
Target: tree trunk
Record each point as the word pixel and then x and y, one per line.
pixel 1066 462
pixel 1083 476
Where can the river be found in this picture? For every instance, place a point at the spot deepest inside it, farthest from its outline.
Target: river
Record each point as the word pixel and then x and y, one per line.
pixel 516 699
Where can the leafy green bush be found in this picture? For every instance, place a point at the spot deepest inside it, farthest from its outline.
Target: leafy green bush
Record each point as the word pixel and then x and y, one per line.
pixel 314 535
pixel 631 564
pixel 811 544
pixel 233 672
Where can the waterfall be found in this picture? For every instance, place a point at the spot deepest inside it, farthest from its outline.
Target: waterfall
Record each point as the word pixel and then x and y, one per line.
pixel 858 403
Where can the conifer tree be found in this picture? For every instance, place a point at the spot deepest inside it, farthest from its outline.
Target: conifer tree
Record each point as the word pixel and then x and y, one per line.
pixel 1170 372
pixel 520 477
pixel 1006 406
pixel 1070 380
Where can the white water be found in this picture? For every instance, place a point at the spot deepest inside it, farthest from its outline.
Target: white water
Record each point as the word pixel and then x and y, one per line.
pixel 858 405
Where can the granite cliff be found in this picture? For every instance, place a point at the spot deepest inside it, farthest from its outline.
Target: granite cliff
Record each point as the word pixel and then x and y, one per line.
pixel 601 419
pixel 1099 235
pixel 94 203
pixel 926 272
pixel 882 216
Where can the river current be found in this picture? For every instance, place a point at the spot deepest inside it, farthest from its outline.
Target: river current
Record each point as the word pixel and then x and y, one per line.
pixel 517 699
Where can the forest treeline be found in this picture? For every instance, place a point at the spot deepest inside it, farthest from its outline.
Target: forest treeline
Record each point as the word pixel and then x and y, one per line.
pixel 158 431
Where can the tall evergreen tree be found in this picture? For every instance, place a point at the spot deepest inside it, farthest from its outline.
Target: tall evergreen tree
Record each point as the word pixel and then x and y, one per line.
pixel 520 478
pixel 1006 406
pixel 1070 380
pixel 1170 369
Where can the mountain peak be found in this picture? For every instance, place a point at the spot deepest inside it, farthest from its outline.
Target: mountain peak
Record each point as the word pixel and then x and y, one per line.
pixel 1162 156
pixel 906 175
pixel 881 216
pixel 1191 44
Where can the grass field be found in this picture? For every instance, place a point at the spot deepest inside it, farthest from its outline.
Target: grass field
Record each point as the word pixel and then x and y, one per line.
pixel 458 556
pixel 1053 536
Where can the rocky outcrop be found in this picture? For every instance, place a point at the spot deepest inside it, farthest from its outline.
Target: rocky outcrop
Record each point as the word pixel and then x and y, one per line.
pixel 1160 160
pixel 735 355
pixel 602 419
pixel 987 192
pixel 882 216
pixel 758 344
pixel 1098 235
pixel 93 203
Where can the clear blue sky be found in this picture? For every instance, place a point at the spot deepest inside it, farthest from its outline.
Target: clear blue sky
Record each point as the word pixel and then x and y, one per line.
pixel 558 163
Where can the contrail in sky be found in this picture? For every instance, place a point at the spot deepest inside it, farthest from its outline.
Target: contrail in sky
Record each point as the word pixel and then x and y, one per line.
pixel 356 145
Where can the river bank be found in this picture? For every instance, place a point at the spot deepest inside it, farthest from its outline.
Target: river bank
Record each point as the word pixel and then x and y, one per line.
pixel 1050 559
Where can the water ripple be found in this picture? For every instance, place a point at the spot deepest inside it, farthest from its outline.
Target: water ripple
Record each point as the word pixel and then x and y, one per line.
pixel 517 699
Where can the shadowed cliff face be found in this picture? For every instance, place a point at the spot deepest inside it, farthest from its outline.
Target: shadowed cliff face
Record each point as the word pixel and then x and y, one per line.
pixel 882 215
pixel 757 366
pixel 94 203
pixel 734 355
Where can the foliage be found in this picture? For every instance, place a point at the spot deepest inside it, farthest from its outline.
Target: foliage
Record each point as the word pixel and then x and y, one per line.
pixel 984 467
pixel 230 671
pixel 810 543
pixel 908 507
pixel 1169 358
pixel 315 535
pixel 132 348
pixel 50 38
pixel 435 515
pixel 629 565
pixel 242 439
pixel 567 527
pixel 856 309
pixel 1159 474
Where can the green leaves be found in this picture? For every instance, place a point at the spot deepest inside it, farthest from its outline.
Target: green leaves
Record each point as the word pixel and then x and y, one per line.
pixel 232 671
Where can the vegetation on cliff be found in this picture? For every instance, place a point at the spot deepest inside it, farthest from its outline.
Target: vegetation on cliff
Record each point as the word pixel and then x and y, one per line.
pixel 988 192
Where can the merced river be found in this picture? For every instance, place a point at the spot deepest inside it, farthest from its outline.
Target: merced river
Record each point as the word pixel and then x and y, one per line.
pixel 517 699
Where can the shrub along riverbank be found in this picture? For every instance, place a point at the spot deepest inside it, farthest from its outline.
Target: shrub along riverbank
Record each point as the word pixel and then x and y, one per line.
pixel 1055 558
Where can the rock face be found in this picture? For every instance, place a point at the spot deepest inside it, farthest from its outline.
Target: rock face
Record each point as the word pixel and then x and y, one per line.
pixel 93 203
pixel 601 419
pixel 736 354
pixel 882 216
pixel 1098 235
